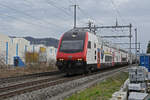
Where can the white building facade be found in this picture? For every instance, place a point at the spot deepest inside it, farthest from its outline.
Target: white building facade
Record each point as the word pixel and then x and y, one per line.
pixel 17 47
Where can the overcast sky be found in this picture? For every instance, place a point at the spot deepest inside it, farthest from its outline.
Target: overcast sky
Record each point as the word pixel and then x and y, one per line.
pixel 51 18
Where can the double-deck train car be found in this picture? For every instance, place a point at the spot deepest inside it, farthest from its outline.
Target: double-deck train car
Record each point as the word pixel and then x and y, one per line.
pixel 82 51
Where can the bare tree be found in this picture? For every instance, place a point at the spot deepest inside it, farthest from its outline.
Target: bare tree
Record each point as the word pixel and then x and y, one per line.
pixel 2 61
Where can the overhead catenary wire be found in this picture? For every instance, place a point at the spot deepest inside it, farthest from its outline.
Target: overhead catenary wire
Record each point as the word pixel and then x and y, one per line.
pixel 87 16
pixel 61 9
pixel 28 15
pixel 117 11
pixel 70 1
pixel 84 13
pixel 119 14
pixel 12 17
pixel 56 15
pixel 23 20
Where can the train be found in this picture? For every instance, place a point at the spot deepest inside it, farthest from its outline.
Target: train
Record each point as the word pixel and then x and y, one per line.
pixel 82 51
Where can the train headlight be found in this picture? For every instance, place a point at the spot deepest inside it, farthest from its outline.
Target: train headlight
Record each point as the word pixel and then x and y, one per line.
pixel 61 59
pixel 79 59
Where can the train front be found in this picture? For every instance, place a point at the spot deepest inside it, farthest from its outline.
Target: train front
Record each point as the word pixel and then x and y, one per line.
pixel 71 53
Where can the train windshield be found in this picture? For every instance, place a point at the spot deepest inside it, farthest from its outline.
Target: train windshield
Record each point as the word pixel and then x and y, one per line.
pixel 71 46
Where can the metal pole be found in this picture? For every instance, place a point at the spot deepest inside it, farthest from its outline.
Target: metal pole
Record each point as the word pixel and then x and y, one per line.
pixel 130 29
pixel 90 25
pixel 75 7
pixel 139 48
pixel 136 46
pixel 139 51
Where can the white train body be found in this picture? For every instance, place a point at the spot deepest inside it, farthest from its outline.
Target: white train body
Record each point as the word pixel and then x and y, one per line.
pixel 82 50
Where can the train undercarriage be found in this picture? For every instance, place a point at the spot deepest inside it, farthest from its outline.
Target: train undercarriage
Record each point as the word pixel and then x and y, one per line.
pixel 81 67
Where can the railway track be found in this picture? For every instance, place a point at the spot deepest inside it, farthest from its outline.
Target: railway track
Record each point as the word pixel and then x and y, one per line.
pixel 13 90
pixel 26 77
pixel 17 89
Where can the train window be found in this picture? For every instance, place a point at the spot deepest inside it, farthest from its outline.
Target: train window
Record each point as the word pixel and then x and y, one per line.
pixel 124 59
pixel 72 45
pixel 108 58
pixel 95 57
pixel 89 44
pixel 95 52
pixel 94 45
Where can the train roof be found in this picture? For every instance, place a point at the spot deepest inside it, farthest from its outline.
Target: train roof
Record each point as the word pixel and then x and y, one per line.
pixel 78 30
pixel 103 41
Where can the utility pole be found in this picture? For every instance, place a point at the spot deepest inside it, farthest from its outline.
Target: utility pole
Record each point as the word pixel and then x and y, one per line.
pixel 130 29
pixel 139 48
pixel 75 14
pixel 94 29
pixel 90 25
pixel 136 45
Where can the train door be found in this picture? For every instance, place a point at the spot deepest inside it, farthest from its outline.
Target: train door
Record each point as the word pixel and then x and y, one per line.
pixel 98 58
pixel 89 53
pixel 120 57
pixel 113 58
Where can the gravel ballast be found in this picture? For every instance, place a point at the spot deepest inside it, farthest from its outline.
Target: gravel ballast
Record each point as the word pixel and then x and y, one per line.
pixel 59 92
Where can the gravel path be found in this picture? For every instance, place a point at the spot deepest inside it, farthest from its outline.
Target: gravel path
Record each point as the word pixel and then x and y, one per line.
pixel 59 92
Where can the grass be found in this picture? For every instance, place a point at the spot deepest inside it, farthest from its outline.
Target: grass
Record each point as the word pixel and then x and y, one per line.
pixel 102 90
pixel 17 71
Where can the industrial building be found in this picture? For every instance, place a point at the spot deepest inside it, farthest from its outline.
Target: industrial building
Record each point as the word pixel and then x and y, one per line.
pixel 19 51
